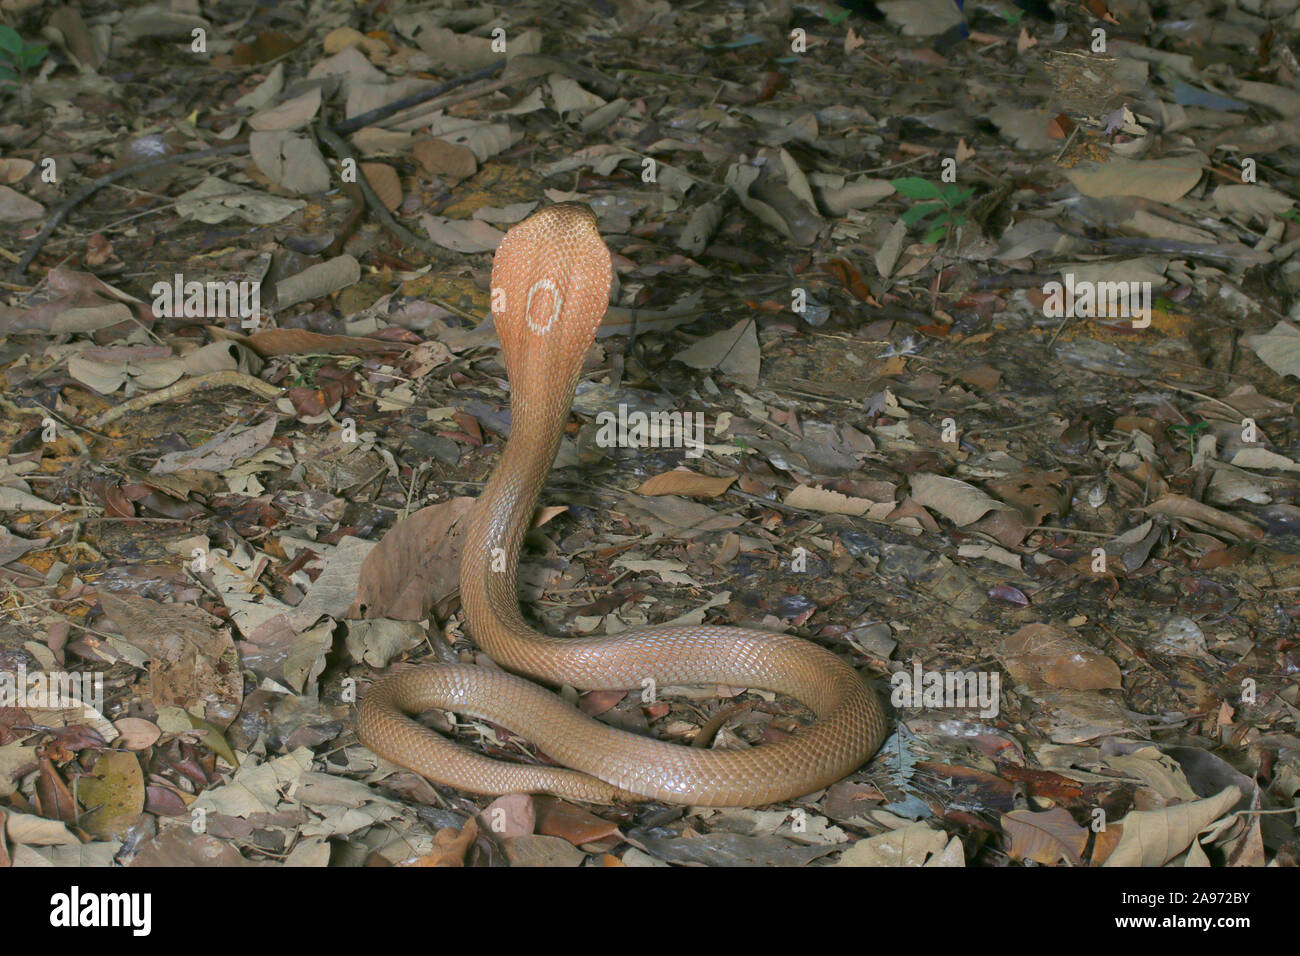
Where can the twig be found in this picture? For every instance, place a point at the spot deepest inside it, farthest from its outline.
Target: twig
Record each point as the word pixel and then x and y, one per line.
pixel 339 147
pixel 350 126
pixel 1068 140
pixel 184 387
pixel 899 165
pixel 72 435
pixel 415 99
pixel 1059 329
pixel 454 309
pixel 92 187
pixel 1200 395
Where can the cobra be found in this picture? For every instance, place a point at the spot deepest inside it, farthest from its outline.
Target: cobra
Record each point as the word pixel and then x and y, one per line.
pixel 551 279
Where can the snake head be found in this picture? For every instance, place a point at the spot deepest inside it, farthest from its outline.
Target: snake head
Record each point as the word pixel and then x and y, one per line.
pixel 550 288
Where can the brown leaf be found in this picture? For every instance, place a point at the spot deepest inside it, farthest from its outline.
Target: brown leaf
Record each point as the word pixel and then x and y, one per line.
pixel 137 733
pixel 683 481
pixel 98 250
pixel 1060 127
pixel 1036 493
pixel 416 566
pixel 536 849
pixel 450 847
pixel 983 377
pixel 194 660
pixel 1154 837
pixel 266 46
pixel 559 818
pixel 385 182
pixel 307 401
pixel 598 701
pixel 449 160
pixel 1046 837
pixel 1180 506
pixel 271 342
pixel 510 815
pixel 848 277
pixel 53 797
pixel 1008 528
pixel 1052 655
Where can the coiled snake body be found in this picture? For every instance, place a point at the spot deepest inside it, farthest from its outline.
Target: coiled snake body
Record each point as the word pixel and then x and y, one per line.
pixel 550 287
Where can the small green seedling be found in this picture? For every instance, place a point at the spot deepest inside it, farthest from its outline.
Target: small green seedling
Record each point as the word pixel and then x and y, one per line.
pixel 943 201
pixel 307 371
pixel 1190 432
pixel 17 57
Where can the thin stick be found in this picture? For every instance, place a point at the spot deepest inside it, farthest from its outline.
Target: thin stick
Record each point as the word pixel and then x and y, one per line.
pixel 350 126
pixel 92 187
pixel 339 147
pixel 184 387
pixel 415 99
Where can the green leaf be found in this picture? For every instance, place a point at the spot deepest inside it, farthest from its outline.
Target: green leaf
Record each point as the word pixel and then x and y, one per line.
pixel 32 55
pixel 10 41
pixel 920 211
pixel 937 233
pixel 940 220
pixel 913 187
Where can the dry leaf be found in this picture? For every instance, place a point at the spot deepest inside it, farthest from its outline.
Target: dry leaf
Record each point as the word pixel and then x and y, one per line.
pixel 683 481
pixel 1046 838
pixel 1154 837
pixel 416 566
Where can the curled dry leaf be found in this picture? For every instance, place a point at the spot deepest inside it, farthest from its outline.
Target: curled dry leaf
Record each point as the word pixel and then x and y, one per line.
pixel 450 846
pixel 1154 837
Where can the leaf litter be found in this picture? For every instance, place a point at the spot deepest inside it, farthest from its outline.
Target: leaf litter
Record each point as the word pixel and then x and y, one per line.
pixel 991 332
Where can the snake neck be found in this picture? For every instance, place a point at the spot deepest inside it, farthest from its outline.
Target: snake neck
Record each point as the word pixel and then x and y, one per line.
pixel 489 564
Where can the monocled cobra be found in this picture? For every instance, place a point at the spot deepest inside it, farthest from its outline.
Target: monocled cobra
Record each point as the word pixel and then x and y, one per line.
pixel 550 288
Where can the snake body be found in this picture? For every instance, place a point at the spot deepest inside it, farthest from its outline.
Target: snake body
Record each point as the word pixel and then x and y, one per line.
pixel 550 288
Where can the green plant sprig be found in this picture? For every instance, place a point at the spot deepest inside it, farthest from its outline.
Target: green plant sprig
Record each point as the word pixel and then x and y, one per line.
pixel 17 57
pixel 933 199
